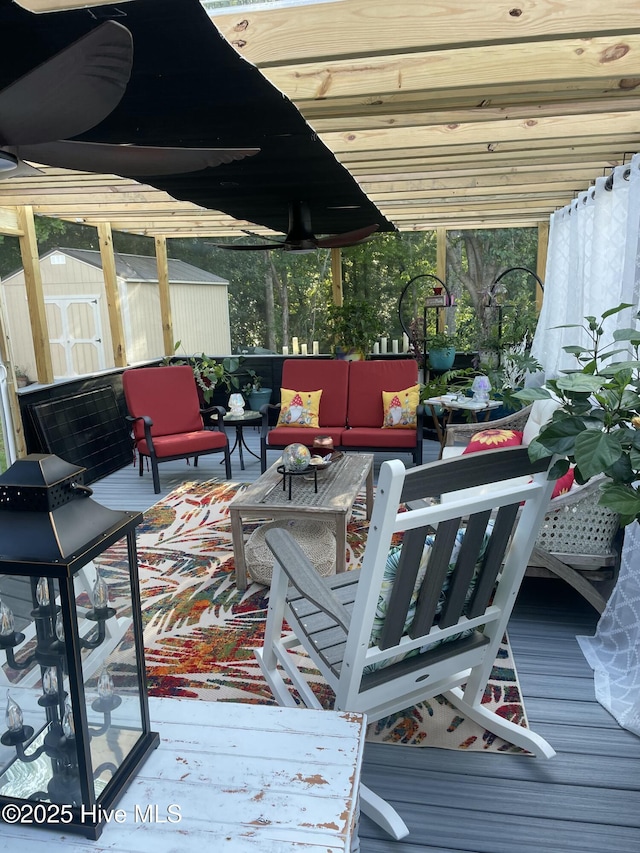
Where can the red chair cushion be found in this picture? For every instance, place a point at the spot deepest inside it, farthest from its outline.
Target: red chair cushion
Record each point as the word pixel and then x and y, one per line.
pixel 367 381
pixel 185 443
pixel 167 395
pixel 329 376
pixel 563 484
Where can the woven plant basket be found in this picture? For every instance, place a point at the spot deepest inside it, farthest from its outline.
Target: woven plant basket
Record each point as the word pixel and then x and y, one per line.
pixel 314 537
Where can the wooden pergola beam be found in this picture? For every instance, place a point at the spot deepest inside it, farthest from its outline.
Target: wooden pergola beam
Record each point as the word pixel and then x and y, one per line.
pixel 105 237
pixel 35 296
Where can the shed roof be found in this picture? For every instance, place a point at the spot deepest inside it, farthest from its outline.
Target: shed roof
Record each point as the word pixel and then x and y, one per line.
pixel 141 268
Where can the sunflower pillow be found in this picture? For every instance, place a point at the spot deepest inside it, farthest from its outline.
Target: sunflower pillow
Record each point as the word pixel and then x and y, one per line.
pixel 399 408
pixel 493 439
pixel 299 408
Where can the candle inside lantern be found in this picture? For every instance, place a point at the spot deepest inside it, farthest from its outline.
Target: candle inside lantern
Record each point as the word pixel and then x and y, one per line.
pixel 42 592
pixel 100 593
pixel 394 346
pixel 304 349
pixel 7 622
pixel 294 346
pixel 13 715
pixel 50 681
pixel 105 685
pixel 68 726
pixel 316 348
pixel 60 628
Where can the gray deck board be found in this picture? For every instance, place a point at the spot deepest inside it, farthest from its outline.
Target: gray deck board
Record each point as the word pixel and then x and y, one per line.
pixel 585 800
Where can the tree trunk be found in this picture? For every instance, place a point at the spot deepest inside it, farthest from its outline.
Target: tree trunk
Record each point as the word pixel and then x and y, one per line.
pixel 270 309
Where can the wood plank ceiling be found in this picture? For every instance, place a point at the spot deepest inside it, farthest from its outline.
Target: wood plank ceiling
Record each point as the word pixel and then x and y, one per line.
pixel 449 114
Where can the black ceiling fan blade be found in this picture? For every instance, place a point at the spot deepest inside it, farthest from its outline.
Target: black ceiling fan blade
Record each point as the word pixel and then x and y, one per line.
pixel 129 160
pixel 248 247
pixel 71 92
pixel 349 238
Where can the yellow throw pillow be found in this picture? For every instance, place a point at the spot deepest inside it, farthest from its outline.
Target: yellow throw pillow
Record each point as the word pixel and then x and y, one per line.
pixel 400 408
pixel 299 408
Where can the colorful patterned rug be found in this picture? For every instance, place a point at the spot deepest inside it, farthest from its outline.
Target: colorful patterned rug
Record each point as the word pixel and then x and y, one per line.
pixel 200 631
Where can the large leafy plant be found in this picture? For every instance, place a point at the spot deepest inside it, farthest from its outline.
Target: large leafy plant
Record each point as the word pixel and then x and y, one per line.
pixel 597 427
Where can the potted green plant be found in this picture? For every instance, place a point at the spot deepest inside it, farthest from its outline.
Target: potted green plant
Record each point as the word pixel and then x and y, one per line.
pixel 353 327
pixel 442 350
pixel 597 427
pixel 22 378
pixel 209 373
pixel 255 395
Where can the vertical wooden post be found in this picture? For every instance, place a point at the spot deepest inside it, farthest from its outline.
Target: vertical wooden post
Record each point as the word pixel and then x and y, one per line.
pixel 336 276
pixel 113 297
pixel 35 296
pixel 165 299
pixel 441 269
pixel 541 260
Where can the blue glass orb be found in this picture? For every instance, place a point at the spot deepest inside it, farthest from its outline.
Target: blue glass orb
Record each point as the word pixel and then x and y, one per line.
pixel 296 457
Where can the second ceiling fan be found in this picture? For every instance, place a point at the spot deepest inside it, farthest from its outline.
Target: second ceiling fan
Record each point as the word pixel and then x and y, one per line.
pixel 300 237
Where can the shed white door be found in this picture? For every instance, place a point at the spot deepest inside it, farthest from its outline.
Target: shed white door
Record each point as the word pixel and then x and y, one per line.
pixel 75 335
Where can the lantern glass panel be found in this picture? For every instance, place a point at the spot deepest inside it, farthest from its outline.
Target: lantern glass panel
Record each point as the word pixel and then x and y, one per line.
pixel 40 761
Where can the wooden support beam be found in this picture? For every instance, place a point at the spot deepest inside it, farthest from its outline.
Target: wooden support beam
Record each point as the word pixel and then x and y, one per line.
pixel 9 222
pixel 541 260
pixel 165 299
pixel 35 296
pixel 113 296
pixel 336 276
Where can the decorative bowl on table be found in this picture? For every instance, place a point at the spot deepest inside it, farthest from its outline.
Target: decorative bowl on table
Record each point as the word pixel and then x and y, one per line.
pixel 296 457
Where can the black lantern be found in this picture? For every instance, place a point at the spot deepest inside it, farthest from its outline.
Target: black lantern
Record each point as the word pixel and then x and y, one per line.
pixel 76 725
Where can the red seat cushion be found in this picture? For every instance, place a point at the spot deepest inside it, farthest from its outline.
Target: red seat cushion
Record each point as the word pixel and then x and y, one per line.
pixel 185 444
pixel 563 484
pixel 167 395
pixel 329 376
pixel 367 381
pixel 377 437
pixel 281 436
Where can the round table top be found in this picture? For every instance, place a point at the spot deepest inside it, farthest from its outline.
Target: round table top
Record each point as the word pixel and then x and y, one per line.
pixel 247 415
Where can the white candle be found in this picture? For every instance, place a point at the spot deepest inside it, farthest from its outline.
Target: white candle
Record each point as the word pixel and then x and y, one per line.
pixel 376 348
pixel 405 342
pixel 285 350
pixel 383 345
pixel 316 348
pixel 294 346
pixel 394 345
pixel 304 349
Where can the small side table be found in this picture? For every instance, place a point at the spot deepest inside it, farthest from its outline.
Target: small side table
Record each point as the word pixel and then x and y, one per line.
pixel 450 406
pixel 248 417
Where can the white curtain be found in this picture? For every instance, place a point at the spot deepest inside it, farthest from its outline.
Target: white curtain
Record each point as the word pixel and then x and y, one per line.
pixel 593 264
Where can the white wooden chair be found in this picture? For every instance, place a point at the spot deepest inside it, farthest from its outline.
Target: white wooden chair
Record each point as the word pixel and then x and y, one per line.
pixel 448 586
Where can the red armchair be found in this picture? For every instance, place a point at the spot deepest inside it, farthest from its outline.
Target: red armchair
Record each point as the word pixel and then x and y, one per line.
pixel 167 423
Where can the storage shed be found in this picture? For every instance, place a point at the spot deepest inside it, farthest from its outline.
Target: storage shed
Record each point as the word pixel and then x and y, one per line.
pixel 77 317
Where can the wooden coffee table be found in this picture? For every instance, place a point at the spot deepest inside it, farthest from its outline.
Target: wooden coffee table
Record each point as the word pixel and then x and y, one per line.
pixel 338 487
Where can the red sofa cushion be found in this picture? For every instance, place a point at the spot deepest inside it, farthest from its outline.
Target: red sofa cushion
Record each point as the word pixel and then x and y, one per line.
pixel 367 381
pixel 167 395
pixel 329 376
pixel 281 436
pixel 377 437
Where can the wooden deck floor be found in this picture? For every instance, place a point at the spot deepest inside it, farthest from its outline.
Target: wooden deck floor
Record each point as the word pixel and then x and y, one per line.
pixel 585 800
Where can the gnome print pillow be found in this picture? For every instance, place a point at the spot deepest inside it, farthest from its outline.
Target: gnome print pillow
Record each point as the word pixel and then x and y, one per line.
pixel 400 408
pixel 299 408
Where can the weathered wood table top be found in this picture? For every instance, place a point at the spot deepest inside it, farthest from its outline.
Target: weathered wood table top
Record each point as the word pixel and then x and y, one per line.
pixel 338 487
pixel 231 776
